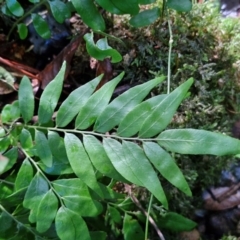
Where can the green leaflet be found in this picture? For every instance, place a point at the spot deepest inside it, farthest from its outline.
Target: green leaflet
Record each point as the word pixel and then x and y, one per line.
pixel 35 192
pixel 132 229
pixel 133 121
pixel 89 14
pixel 15 8
pixel 193 141
pixel 131 163
pixel 50 96
pixel 10 112
pixel 41 26
pixel 12 155
pixel 3 163
pixel 180 6
pixel 26 99
pixel 70 225
pixel 75 101
pixel 60 163
pixel 59 10
pixel 47 211
pixel 162 114
pixel 96 104
pixel 114 113
pixel 109 6
pixel 127 6
pixel 115 214
pixel 24 176
pixel 146 17
pixel 26 139
pixel 166 165
pixel 146 1
pixel 7 225
pixel 43 149
pixel 80 162
pixel 176 222
pixel 22 30
pixel 4 144
pixel 76 197
pixel 109 194
pixel 99 157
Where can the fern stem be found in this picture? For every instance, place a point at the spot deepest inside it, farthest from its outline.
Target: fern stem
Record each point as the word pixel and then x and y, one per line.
pixel 41 172
pixel 89 133
pixel 169 53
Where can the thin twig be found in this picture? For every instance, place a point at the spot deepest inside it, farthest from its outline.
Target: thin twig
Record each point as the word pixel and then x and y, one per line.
pixel 151 220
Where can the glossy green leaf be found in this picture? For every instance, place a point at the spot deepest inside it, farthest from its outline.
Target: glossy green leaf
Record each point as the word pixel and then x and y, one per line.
pixel 10 112
pixel 126 6
pixel 59 10
pixel 130 161
pixel 26 139
pixel 101 49
pixel 89 14
pixel 47 211
pixel 41 26
pixel 22 30
pixel 35 192
pixel 75 101
pixel 50 96
pixel 99 157
pixel 163 113
pixel 15 8
pixel 96 104
pixel 80 162
pixel 70 225
pixel 123 104
pixel 146 17
pixel 57 147
pixel 132 229
pixel 12 156
pixel 166 165
pixel 59 167
pixel 43 149
pixel 109 6
pixel 24 176
pixel 60 163
pixel 76 197
pixel 180 6
pixel 133 121
pixel 193 141
pixel 175 222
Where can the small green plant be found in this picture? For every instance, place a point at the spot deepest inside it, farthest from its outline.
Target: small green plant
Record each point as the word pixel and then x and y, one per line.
pixel 67 160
